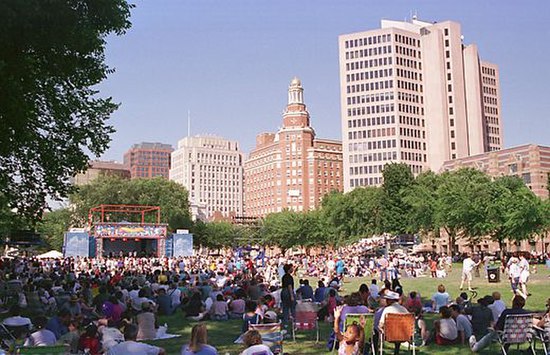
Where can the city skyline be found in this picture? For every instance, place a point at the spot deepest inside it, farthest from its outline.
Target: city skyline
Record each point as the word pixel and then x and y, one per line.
pixel 226 65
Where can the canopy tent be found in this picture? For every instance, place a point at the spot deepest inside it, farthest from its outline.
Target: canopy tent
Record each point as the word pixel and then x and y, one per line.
pixel 52 254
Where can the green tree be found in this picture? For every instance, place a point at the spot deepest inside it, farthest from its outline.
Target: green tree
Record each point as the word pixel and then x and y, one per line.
pixel 51 59
pixel 283 229
pixel 515 213
pixel 53 226
pixel 422 197
pixel 354 215
pixel 462 206
pixel 171 197
pixel 397 178
pixel 219 234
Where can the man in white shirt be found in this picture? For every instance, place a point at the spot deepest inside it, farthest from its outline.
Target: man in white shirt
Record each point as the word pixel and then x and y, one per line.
pixel 468 266
pixel 131 346
pixel 373 289
pixel 392 307
pixel 42 336
pixel 524 274
pixel 514 273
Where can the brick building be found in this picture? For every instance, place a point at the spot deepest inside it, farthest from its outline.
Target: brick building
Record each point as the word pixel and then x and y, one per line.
pixel 291 169
pixel 99 168
pixel 147 160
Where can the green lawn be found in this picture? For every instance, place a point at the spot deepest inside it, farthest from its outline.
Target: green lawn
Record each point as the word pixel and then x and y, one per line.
pixel 222 334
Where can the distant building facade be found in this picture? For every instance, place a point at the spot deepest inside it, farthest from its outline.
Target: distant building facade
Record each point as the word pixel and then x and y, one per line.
pixel 211 168
pixel 291 169
pixel 529 162
pixel 148 160
pixel 99 168
pixel 414 93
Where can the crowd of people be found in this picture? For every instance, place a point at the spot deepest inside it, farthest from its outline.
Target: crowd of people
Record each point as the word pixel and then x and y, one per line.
pixel 112 305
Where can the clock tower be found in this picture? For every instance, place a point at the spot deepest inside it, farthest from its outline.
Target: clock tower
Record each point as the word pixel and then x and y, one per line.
pixel 295 114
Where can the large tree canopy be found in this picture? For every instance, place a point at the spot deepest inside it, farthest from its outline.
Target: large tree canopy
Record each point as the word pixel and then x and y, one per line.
pixel 51 56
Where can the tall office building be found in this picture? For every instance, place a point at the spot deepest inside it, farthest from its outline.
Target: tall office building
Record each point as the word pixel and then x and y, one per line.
pixel 147 160
pixel 291 169
pixel 211 168
pixel 413 92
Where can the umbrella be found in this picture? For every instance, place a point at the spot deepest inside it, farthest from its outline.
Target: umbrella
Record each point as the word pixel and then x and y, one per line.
pixel 52 254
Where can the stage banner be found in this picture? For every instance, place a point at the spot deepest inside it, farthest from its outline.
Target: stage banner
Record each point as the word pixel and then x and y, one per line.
pixel 183 245
pixel 129 231
pixel 76 244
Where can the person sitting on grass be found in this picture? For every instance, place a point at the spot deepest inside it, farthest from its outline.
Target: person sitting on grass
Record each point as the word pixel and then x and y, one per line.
pixel 352 340
pixel 250 316
pixel 446 332
pixel 517 308
pixel 89 341
pixel 131 346
pixel 463 325
pixel 482 317
pixel 198 344
pixel 440 298
pixel 42 336
pixel 254 345
pixel 219 309
pixel 414 303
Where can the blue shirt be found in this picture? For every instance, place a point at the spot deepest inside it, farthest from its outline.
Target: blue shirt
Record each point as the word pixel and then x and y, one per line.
pixel 205 350
pixel 57 327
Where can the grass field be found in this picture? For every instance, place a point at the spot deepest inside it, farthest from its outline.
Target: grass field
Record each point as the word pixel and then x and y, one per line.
pixel 222 334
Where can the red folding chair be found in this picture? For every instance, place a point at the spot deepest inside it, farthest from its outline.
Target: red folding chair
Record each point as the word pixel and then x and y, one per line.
pixel 305 319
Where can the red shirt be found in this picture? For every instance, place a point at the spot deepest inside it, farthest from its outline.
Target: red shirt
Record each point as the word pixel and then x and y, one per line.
pixel 90 343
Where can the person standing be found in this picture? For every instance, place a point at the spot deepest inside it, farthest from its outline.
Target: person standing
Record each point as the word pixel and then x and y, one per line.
pixel 288 298
pixel 524 274
pixel 468 265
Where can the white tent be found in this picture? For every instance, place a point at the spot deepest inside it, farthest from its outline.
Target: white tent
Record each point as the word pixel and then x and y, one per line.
pixel 52 254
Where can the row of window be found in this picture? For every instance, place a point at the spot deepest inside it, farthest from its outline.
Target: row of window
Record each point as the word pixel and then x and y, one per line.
pixel 370 63
pixel 488 71
pixel 371 121
pixel 370 169
pixel 409 52
pixel 410 144
pixel 365 181
pixel 367 110
pixel 408 74
pixel 489 91
pixel 368 98
pixel 491 110
pixel 409 132
pixel 361 53
pixel 414 157
pixel 490 100
pixel 383 38
pixel 409 63
pixel 409 86
pixel 411 121
pixel 379 85
pixel 489 81
pixel 371 133
pixel 373 74
pixel 380 156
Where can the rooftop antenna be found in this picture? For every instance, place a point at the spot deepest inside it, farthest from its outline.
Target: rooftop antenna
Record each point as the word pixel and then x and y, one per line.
pixel 188 123
pixel 415 16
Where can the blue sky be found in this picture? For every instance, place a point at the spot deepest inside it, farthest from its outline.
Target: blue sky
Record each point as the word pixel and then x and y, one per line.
pixel 230 63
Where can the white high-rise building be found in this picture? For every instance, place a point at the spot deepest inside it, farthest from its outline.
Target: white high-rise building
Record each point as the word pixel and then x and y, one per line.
pixel 211 168
pixel 413 92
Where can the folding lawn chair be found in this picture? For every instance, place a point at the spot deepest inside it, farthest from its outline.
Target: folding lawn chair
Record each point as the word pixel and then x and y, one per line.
pixel 542 335
pixel 398 328
pixel 272 335
pixel 365 320
pixel 306 319
pixel 517 330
